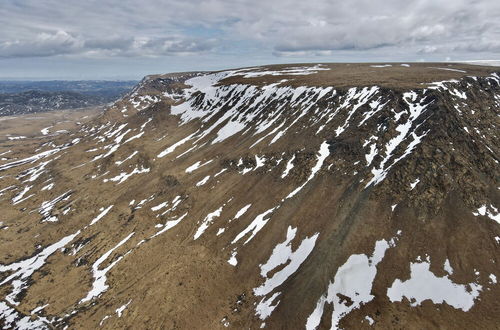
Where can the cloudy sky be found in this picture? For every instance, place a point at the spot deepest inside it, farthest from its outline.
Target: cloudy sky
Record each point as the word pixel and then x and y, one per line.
pixel 123 39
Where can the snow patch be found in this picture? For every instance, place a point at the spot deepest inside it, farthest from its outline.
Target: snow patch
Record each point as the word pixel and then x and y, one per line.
pixel 99 285
pixel 207 222
pixel 489 211
pixel 424 285
pixel 354 279
pixel 196 166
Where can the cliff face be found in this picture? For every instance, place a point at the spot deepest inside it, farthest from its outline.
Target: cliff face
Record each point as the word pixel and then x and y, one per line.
pixel 316 196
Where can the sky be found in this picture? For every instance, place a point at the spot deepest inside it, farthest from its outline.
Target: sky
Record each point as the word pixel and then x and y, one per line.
pixel 128 39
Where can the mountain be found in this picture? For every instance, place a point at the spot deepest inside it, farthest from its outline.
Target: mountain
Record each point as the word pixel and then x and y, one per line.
pixel 317 196
pixel 20 97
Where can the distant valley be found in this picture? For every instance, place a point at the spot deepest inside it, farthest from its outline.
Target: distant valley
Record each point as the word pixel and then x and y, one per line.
pixel 23 97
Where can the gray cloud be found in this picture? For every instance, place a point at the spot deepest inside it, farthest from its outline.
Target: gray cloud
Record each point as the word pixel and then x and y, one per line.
pixel 133 28
pixel 364 25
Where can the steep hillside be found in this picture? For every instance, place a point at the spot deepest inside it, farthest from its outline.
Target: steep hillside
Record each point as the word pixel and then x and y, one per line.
pixel 283 197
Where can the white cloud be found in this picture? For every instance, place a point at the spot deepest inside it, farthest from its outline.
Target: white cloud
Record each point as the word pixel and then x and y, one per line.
pixel 63 43
pixel 42 44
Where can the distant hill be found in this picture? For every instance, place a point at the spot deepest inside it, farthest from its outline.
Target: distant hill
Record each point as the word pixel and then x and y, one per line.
pixel 19 97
